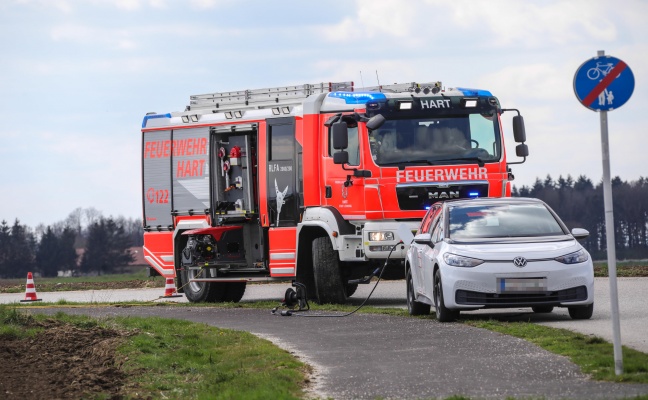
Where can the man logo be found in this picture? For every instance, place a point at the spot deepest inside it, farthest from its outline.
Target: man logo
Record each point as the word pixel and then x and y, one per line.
pixel 520 262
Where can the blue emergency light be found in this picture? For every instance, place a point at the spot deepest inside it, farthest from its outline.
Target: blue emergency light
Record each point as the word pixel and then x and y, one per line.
pixel 358 97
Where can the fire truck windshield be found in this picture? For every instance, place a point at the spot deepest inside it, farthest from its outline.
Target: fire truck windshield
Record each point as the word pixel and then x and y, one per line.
pixel 438 140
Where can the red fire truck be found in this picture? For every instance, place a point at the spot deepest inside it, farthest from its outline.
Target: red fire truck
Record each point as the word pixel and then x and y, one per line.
pixel 312 182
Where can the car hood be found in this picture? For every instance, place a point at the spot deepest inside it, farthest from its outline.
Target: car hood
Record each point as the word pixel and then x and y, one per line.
pixel 496 250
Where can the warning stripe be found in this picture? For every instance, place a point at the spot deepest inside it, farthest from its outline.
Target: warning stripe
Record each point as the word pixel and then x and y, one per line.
pixel 612 75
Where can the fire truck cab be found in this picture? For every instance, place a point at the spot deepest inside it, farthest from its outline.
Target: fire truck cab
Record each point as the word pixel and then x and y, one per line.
pixel 310 182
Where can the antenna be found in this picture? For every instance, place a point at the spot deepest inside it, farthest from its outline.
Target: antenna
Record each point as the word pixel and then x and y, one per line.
pixel 378 79
pixel 361 80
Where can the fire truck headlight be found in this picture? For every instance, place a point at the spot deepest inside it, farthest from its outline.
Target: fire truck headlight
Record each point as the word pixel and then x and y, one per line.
pixel 381 236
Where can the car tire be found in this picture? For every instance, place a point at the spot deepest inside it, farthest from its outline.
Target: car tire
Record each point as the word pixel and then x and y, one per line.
pixel 414 307
pixel 542 309
pixel 581 312
pixel 443 314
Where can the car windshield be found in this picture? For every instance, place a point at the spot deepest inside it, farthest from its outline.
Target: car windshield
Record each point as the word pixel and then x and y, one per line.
pixel 436 140
pixel 502 221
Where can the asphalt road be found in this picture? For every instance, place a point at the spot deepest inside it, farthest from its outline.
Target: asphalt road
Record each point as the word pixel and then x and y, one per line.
pixel 633 305
pixel 367 356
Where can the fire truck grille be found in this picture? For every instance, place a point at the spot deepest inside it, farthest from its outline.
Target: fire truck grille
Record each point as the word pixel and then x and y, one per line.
pixel 414 197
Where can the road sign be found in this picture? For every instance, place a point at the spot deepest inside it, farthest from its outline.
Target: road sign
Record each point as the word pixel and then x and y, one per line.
pixel 603 83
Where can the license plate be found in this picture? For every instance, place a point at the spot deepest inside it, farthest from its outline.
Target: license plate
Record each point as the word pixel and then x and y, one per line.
pixel 521 285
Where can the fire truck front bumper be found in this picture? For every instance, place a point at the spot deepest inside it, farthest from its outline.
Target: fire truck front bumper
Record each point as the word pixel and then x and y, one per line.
pixel 381 238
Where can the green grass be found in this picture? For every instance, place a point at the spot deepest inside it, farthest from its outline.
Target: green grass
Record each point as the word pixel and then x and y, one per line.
pixel 132 277
pixel 175 359
pixel 592 354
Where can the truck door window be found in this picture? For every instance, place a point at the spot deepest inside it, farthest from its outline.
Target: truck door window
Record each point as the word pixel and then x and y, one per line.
pixel 282 142
pixel 433 139
pixel 283 189
pixel 354 145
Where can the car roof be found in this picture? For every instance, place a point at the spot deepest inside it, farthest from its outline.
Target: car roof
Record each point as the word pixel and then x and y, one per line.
pixel 494 200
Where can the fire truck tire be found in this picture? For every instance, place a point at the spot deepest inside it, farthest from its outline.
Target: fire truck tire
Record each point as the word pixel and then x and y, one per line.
pixel 351 289
pixel 201 292
pixel 329 286
pixel 233 291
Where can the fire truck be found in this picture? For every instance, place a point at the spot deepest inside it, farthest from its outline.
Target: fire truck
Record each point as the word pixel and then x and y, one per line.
pixel 311 183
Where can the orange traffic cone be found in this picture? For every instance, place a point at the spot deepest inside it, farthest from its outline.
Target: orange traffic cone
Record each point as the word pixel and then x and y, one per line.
pixel 170 289
pixel 30 290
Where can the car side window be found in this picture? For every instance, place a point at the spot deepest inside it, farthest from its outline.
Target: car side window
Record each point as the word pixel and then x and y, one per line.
pixel 437 232
pixel 428 219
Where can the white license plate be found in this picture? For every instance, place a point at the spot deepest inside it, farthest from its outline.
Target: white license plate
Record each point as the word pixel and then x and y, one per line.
pixel 521 285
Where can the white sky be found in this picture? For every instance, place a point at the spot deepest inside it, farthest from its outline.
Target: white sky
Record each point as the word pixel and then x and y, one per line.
pixel 78 76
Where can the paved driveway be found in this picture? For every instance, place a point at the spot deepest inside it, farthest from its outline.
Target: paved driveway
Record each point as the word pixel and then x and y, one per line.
pixel 368 356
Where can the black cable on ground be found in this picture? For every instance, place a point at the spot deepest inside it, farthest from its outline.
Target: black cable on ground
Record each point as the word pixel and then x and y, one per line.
pixel 288 313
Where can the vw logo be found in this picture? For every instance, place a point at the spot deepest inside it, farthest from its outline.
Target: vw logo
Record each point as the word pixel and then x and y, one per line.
pixel 520 262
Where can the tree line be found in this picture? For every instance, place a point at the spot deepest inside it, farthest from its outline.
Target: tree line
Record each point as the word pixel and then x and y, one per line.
pixel 579 203
pixel 104 242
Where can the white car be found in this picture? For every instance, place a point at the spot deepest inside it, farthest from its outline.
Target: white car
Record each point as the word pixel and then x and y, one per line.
pixel 497 253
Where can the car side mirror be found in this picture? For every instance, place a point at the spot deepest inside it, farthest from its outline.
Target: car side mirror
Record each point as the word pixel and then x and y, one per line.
pixel 580 233
pixel 423 238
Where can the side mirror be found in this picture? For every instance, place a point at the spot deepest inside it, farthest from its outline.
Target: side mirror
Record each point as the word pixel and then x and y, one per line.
pixel 522 150
pixel 423 238
pixel 580 233
pixel 341 157
pixel 340 133
pixel 519 134
pixel 375 122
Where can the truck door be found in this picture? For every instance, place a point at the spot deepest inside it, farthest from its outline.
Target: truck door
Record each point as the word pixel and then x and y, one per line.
pixel 283 160
pixel 283 192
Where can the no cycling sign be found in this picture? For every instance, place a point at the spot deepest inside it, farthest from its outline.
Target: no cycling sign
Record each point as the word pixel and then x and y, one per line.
pixel 603 83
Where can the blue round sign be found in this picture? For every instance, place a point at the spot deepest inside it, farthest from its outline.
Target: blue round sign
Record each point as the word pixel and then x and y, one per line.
pixel 603 83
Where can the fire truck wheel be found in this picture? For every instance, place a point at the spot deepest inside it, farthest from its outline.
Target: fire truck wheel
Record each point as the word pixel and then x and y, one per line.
pixel 201 292
pixel 329 285
pixel 233 291
pixel 351 289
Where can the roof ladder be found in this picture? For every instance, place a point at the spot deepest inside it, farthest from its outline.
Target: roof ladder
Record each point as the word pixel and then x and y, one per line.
pixel 260 98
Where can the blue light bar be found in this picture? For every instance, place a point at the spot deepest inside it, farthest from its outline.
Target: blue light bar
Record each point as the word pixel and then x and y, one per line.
pixel 146 118
pixel 473 194
pixel 358 97
pixel 475 92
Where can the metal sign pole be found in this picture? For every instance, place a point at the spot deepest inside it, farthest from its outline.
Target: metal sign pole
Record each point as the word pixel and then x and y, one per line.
pixel 611 247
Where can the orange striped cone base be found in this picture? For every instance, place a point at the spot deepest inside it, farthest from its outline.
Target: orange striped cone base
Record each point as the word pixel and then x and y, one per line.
pixel 30 290
pixel 170 289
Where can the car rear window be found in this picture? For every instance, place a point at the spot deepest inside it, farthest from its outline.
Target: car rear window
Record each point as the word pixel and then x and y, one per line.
pixel 509 220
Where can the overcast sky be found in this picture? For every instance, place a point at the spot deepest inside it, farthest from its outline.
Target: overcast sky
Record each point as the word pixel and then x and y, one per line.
pixel 77 77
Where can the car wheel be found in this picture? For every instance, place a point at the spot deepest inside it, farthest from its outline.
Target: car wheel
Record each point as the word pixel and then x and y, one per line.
pixel 581 312
pixel 542 309
pixel 414 307
pixel 443 314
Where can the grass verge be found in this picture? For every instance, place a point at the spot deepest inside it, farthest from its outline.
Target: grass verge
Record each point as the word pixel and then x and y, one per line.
pixel 174 359
pixel 592 354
